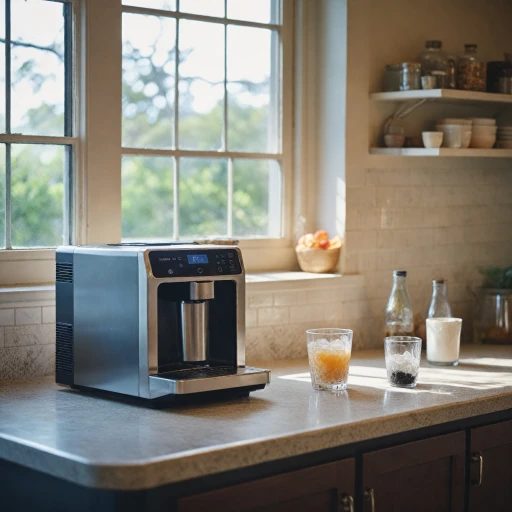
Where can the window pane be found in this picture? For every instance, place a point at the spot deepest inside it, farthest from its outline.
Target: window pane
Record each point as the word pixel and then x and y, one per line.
pixel 262 11
pixel 147 197
pixel 37 60
pixel 169 5
pixel 253 98
pixel 204 7
pixel 203 197
pixel 256 198
pixel 148 81
pixel 201 85
pixel 2 196
pixel 37 195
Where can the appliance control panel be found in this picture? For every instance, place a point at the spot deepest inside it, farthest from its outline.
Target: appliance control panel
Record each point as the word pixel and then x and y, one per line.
pixel 196 262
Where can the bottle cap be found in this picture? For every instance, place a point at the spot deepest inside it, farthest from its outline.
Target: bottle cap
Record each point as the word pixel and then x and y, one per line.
pixel 438 281
pixel 400 273
pixel 434 44
pixel 411 66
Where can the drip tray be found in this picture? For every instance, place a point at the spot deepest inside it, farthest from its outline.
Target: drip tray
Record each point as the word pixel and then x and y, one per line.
pixel 199 373
pixel 198 380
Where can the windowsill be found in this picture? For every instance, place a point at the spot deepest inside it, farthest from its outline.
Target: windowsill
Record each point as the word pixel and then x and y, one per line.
pixel 256 282
pixel 299 280
pixel 23 294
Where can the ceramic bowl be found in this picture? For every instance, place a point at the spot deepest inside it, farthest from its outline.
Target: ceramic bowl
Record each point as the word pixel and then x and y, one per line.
pixel 484 131
pixel 455 120
pixel 483 141
pixel 432 139
pixel 453 135
pixel 318 261
pixel 483 121
pixel 466 137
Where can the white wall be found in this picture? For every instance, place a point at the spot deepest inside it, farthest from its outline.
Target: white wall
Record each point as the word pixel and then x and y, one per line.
pixel 331 66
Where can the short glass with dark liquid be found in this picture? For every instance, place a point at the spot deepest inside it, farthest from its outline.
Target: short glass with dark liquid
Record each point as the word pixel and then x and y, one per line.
pixel 403 354
pixel 329 353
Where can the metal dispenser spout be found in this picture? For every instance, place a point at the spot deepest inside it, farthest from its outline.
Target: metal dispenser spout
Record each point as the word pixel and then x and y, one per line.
pixel 194 321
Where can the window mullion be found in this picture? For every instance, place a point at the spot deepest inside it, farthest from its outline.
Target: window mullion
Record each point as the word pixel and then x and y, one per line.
pixel 8 66
pixel 230 198
pixel 8 173
pixel 225 112
pixel 176 80
pixel 8 202
pixel 68 195
pixel 176 199
pixel 225 120
pixel 176 186
pixel 68 71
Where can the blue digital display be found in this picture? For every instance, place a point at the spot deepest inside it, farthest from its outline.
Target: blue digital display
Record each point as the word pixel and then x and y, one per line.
pixel 197 259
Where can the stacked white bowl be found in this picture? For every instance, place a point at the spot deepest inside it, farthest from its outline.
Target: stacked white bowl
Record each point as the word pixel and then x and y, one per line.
pixel 456 132
pixel 504 140
pixel 484 133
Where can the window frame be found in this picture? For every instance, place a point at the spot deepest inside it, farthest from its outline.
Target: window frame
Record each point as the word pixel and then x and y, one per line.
pixel 68 140
pixel 97 147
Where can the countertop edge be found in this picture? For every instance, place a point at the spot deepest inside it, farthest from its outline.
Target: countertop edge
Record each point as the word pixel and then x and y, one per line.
pixel 192 464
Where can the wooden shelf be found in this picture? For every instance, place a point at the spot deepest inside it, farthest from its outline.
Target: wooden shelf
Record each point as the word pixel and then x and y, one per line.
pixel 486 153
pixel 449 95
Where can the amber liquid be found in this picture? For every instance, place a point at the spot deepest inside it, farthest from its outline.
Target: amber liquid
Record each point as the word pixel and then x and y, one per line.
pixel 330 367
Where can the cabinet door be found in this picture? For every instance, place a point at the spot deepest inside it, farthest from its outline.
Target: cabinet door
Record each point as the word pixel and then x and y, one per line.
pixel 421 476
pixel 328 488
pixel 491 468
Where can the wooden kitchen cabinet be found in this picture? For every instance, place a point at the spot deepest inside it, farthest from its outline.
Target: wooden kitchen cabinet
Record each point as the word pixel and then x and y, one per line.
pixel 421 476
pixel 324 488
pixel 491 468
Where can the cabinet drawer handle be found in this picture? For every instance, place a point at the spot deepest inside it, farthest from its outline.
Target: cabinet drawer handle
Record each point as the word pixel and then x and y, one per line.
pixel 369 495
pixel 347 503
pixel 477 457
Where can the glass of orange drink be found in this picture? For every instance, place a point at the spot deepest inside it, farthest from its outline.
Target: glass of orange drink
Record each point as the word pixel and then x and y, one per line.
pixel 329 357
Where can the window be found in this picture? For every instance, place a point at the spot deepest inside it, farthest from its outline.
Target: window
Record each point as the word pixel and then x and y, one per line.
pixel 36 123
pixel 202 119
pixel 144 120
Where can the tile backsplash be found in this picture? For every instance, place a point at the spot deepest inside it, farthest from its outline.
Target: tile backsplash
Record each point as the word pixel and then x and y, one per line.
pixel 277 316
pixel 27 340
pixel 433 222
pixel 277 319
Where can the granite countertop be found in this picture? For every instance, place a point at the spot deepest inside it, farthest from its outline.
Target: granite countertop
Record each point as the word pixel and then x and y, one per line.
pixel 102 443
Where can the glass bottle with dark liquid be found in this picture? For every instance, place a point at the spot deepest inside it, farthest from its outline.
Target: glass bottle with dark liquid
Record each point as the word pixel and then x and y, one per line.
pixel 398 314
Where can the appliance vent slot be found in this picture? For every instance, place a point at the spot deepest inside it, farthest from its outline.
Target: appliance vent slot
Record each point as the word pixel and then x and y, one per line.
pixel 64 349
pixel 64 273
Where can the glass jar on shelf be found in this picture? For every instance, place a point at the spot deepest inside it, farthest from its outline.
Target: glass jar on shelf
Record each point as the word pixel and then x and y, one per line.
pixel 471 71
pixel 392 77
pixel 434 62
pixel 410 77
